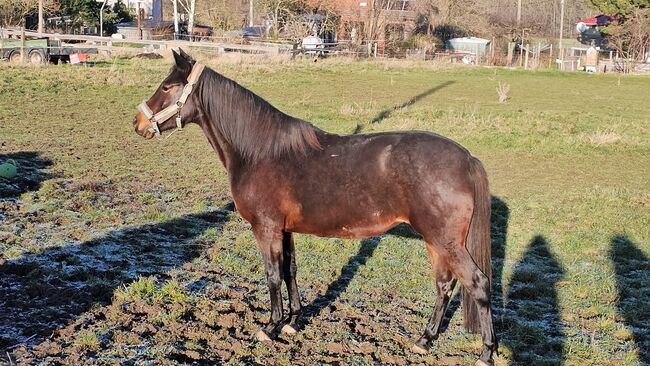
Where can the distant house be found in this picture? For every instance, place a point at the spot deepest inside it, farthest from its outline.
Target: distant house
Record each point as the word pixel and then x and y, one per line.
pixel 152 8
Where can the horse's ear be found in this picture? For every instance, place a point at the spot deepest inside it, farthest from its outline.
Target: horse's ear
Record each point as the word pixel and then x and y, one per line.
pixel 178 59
pixel 186 56
pixel 181 62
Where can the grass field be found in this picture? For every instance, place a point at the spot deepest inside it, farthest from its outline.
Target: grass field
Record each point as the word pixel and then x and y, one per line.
pixel 117 250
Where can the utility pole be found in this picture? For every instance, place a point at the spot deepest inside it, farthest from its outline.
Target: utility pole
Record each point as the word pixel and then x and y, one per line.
pixel 518 13
pixel 139 18
pixel 40 16
pixel 175 17
pixel 101 19
pixel 560 50
pixel 521 49
pixel 190 21
pixel 250 13
pixel 371 28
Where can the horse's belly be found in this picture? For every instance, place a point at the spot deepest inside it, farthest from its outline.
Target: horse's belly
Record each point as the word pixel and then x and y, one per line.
pixel 347 225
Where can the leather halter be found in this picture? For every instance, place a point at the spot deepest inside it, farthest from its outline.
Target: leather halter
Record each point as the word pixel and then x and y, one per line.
pixel 173 109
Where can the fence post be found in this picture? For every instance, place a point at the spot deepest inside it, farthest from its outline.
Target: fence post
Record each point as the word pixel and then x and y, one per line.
pixel 492 61
pixel 511 50
pixel 526 57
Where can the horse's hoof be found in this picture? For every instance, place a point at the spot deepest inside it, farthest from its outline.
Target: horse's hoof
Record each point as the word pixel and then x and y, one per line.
pixel 262 337
pixel 418 349
pixel 480 362
pixel 289 330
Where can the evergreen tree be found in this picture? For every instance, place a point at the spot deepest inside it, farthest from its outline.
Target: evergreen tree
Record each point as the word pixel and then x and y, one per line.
pixel 623 7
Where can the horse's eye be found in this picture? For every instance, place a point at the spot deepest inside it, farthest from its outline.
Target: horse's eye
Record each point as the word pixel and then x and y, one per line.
pixel 167 88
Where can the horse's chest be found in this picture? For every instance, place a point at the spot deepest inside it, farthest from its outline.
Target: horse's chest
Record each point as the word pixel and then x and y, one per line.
pixel 267 200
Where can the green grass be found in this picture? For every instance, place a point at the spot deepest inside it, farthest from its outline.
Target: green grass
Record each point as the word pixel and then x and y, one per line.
pixel 568 154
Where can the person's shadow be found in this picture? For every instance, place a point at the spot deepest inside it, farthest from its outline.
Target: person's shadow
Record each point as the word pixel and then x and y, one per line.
pixel 42 292
pixel 527 318
pixel 632 269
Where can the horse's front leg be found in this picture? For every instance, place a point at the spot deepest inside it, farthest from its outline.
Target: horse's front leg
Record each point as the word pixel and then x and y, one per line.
pixel 289 270
pixel 269 243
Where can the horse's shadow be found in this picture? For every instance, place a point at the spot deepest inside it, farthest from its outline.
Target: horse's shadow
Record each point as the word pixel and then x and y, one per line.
pixel 42 292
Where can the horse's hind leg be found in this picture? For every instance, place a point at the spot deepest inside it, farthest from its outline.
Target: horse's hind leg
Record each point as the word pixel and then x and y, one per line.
pixel 445 283
pixel 448 244
pixel 478 286
pixel 289 273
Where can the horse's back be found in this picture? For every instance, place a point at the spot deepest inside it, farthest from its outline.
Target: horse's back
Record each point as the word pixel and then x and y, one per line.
pixel 359 186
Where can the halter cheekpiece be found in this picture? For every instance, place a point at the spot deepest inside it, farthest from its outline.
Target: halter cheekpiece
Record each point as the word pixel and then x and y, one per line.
pixel 175 108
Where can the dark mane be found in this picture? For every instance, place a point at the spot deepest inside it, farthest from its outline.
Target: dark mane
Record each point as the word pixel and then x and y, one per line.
pixel 252 126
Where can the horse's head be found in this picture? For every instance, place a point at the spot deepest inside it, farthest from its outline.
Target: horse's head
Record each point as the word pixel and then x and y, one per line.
pixel 173 104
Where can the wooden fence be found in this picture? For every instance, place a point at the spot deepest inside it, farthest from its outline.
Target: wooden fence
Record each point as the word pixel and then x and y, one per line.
pixel 111 45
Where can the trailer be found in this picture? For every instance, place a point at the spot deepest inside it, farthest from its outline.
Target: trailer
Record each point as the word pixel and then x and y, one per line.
pixel 39 50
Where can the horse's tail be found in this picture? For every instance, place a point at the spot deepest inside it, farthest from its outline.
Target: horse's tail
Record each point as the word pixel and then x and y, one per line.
pixel 478 240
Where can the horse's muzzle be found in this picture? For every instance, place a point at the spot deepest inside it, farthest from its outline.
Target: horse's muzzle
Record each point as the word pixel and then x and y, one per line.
pixel 142 126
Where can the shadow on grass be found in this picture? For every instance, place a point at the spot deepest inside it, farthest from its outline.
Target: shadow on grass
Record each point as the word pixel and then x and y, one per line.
pixel 499 235
pixel 32 171
pixel 387 112
pixel 42 292
pixel 632 267
pixel 528 320
pixel 531 324
pixel 348 271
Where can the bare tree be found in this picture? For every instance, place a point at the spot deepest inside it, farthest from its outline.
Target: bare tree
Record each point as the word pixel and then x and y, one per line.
pixel 14 12
pixel 222 14
pixel 631 38
pixel 281 11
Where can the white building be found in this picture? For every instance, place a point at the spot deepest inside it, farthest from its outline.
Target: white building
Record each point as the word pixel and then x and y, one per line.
pixel 147 5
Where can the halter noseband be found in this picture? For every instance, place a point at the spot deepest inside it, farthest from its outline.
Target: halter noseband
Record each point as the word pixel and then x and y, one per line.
pixel 175 108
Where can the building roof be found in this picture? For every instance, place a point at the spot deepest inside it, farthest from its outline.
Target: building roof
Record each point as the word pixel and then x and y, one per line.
pixel 601 19
pixel 473 40
pixel 148 23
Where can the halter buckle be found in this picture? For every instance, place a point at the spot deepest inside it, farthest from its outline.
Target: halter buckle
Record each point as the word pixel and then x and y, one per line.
pixel 179 125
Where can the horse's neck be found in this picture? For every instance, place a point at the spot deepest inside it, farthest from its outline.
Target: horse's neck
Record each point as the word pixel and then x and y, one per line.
pixel 227 153
pixel 224 151
pixel 244 129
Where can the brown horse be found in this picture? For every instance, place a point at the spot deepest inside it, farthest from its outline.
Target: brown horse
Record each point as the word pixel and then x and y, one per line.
pixel 287 176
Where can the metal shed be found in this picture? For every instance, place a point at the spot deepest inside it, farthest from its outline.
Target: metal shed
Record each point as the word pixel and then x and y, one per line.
pixel 478 46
